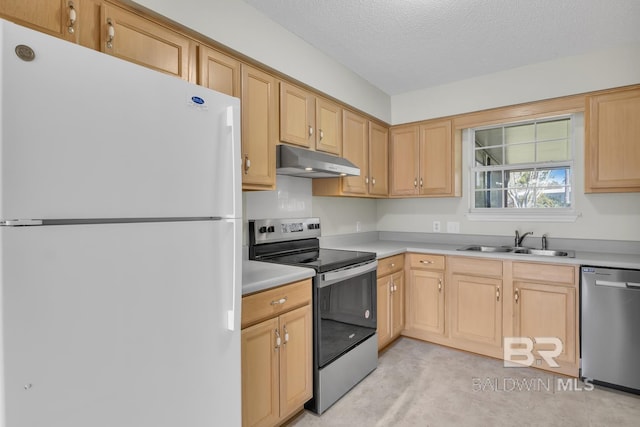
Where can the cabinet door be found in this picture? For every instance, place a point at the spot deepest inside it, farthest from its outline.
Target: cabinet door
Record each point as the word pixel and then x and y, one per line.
pixel 378 160
pixel 135 39
pixel 47 16
pixel 425 301
pixel 384 310
pixel 397 304
pixel 218 71
pixel 297 116
pixel 546 310
pixel 328 127
pixel 404 152
pixel 435 159
pixel 296 379
pixel 355 147
pixel 259 103
pixel 260 379
pixel 476 310
pixel 612 148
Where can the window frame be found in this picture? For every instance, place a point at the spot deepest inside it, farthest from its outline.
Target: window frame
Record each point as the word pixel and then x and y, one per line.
pixel 503 213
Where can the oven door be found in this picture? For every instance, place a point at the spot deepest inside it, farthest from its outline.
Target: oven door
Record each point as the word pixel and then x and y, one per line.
pixel 345 310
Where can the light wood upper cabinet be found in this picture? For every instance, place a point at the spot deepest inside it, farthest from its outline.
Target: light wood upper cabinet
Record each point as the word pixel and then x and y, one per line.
pixel 355 148
pixel 365 144
pixel 74 20
pixel 404 154
pixel 378 160
pixel 259 104
pixel 309 121
pixel 423 160
pixel 218 71
pixel 131 37
pixel 612 141
pixel 277 371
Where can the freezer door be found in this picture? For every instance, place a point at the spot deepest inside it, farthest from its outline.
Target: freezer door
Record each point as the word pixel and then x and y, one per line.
pixel 87 135
pixel 120 325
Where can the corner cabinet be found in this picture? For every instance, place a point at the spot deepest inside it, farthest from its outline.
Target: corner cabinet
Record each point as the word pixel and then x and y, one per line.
pixel 612 141
pixel 425 317
pixel 136 39
pixel 276 348
pixel 365 144
pixel 390 293
pixel 423 160
pixel 259 104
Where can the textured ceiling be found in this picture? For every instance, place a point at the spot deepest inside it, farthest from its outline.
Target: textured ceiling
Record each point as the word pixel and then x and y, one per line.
pixel 405 45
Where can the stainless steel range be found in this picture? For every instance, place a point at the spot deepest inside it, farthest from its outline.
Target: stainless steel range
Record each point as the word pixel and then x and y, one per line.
pixel 345 343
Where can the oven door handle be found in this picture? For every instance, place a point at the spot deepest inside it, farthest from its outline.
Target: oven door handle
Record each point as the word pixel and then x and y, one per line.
pixel 332 277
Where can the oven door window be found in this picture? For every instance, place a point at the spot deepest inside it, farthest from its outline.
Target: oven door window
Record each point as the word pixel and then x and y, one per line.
pixel 347 315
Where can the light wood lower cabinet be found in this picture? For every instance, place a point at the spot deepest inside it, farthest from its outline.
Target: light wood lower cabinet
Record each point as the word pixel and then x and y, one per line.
pixel 425 299
pixel 545 304
pixel 276 354
pixel 390 293
pixel 476 304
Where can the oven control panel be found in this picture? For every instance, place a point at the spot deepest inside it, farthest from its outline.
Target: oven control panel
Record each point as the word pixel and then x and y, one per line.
pixel 280 230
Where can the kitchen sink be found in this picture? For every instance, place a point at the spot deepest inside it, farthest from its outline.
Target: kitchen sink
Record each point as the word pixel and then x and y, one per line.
pixel 478 248
pixel 544 252
pixel 518 251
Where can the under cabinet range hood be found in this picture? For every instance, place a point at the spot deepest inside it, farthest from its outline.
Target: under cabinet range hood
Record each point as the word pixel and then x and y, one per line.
pixel 296 161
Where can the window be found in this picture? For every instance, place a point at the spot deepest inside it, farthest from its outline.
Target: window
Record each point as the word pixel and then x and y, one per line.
pixel 523 167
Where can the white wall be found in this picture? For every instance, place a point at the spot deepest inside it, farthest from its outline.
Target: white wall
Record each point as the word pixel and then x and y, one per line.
pixel 566 76
pixel 238 26
pixel 601 216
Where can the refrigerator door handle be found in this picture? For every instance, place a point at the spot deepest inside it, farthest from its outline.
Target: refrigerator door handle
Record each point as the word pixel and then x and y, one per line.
pixel 20 222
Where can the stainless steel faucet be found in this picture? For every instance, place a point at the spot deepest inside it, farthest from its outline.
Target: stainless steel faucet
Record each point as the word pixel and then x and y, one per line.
pixel 519 238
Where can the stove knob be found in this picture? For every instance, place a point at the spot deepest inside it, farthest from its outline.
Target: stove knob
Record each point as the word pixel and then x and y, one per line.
pixel 271 229
pixel 262 229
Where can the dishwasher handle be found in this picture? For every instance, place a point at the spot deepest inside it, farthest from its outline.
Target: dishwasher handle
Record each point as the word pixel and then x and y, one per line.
pixel 621 285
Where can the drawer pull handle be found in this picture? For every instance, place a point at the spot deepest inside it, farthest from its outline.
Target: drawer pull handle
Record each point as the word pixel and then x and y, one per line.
pixel 286 334
pixel 279 301
pixel 278 340
pixel 497 294
pixel 422 261
pixel 439 285
pixel 517 295
pixel 111 33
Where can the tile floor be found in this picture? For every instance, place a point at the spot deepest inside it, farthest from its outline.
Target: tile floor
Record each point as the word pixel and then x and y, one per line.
pixel 422 384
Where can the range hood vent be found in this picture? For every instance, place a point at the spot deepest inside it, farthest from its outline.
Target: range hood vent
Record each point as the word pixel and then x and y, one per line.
pixel 296 161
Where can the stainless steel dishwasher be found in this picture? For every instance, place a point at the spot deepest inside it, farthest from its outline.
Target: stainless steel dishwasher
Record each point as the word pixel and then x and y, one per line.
pixel 611 327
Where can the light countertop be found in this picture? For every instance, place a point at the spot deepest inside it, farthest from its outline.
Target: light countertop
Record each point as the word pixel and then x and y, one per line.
pixel 385 248
pixel 258 276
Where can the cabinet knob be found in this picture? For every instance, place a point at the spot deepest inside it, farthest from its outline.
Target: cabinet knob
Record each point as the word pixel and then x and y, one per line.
pixel 321 134
pixel 72 18
pixel 247 164
pixel 420 182
pixel 373 181
pixel 279 301
pixel 415 182
pixel 366 179
pixel 497 294
pixel 310 130
pixel 111 33
pixel 392 265
pixel 439 285
pixel 278 340
pixel 516 295
pixel 286 334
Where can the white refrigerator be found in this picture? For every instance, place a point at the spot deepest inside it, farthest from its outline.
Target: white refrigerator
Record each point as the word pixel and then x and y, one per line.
pixel 120 243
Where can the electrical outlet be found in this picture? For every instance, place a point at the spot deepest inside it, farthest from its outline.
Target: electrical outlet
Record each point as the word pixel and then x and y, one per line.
pixel 453 227
pixel 436 226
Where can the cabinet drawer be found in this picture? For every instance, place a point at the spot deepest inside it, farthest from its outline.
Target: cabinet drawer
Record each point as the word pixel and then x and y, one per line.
pixel 390 265
pixel 475 266
pixel 544 272
pixel 273 302
pixel 426 261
